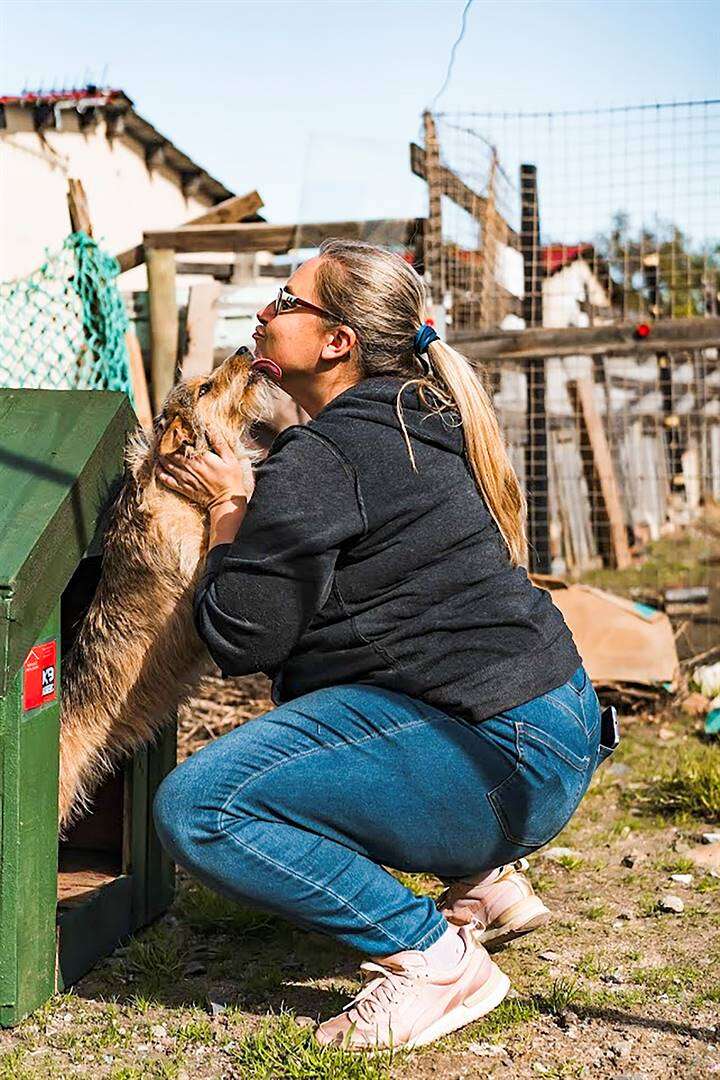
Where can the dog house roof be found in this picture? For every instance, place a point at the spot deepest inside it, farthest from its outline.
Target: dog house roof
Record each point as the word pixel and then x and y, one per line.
pixel 61 451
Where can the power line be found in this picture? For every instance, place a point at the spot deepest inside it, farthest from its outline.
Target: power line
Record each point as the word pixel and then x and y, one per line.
pixel 451 61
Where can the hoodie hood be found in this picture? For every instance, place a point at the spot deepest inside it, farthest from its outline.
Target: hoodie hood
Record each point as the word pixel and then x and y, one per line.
pixel 373 400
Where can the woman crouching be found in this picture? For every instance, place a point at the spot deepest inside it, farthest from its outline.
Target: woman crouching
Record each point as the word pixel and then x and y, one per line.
pixel 433 713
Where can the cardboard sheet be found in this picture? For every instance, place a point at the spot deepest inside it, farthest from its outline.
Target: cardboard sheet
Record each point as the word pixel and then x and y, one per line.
pixel 619 640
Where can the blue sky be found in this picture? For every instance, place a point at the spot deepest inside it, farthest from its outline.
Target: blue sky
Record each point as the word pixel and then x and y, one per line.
pixel 313 102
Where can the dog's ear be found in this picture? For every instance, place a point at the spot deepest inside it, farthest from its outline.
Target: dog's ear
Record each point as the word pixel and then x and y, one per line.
pixel 178 432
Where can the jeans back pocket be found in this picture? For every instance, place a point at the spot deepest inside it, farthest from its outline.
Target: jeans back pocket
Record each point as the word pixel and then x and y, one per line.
pixel 535 802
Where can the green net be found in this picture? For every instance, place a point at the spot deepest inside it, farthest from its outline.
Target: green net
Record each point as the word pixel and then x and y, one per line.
pixel 63 327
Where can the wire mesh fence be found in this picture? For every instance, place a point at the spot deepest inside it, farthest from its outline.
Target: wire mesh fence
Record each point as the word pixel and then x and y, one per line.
pixel 63 326
pixel 627 211
pixel 581 222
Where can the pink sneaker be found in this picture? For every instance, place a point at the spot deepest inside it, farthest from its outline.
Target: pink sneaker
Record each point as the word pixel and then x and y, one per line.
pixel 499 906
pixel 407 1003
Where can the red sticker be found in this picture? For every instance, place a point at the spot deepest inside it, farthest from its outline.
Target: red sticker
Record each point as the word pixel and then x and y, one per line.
pixel 40 676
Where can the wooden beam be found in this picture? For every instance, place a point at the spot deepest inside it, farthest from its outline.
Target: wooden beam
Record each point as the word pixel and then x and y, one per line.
pixel 281 238
pixel 619 339
pixel 219 271
pixel 230 211
pixel 138 380
pixel 200 330
pixel 432 242
pixel 454 188
pixel 600 473
pixel 78 207
pixel 81 222
pixel 163 322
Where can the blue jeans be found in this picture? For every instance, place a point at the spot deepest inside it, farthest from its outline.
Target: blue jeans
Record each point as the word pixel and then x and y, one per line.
pixel 298 811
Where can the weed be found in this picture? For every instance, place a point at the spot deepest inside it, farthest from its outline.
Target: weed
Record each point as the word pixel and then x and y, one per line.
pixel 281 1050
pixel 569 862
pixel 197 1031
pixel 158 1069
pixel 140 1003
pixel 690 786
pixel 670 979
pixel 596 911
pixel 590 965
pixel 262 980
pixel 560 997
pixel 154 959
pixel 203 909
pixel 509 1014
pixel 12 1067
pixel 675 864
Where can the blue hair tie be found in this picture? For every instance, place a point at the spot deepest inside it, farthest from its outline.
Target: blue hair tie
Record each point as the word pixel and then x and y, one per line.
pixel 424 337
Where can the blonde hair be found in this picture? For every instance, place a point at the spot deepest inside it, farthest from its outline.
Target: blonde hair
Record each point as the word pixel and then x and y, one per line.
pixel 384 300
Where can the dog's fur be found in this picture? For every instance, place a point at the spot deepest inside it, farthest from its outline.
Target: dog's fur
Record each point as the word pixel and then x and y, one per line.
pixel 137 654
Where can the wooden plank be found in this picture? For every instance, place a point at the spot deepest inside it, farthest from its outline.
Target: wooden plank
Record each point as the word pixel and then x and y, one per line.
pixel 432 239
pixel 599 467
pixel 219 271
pixel 616 340
pixel 163 322
pixel 454 188
pixel 138 380
pixel 92 929
pixel 200 330
pixel 160 873
pixel 282 238
pixel 78 207
pixel 231 210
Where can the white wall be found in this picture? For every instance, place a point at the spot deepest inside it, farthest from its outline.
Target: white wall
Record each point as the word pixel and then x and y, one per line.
pixel 124 197
pixel 566 290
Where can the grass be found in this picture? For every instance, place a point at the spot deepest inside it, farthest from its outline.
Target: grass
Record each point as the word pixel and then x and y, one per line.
pixel 202 909
pixel 668 562
pixel 687 787
pixel 676 864
pixel 673 980
pixel 570 862
pixel 280 1049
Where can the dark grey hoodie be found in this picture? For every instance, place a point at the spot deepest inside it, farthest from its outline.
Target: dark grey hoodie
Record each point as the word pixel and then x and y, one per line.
pixel 351 567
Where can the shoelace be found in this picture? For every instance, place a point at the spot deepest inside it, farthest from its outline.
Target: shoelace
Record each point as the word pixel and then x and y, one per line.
pixel 381 993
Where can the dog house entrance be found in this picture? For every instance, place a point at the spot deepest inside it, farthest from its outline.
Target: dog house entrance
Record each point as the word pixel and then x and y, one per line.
pixel 97 849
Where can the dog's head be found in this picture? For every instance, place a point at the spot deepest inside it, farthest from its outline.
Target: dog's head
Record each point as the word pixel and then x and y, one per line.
pixel 227 402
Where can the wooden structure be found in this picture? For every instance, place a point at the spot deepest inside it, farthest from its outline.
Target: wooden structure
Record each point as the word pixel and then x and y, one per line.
pixel 62 907
pixel 613 427
pixel 160 249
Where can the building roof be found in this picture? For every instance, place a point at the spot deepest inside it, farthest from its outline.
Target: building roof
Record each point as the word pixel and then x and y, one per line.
pixel 122 119
pixel 556 257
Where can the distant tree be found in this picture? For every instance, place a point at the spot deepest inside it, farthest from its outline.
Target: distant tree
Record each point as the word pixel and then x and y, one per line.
pixel 659 271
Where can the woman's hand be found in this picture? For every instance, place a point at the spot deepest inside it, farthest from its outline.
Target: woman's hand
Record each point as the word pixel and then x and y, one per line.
pixel 216 478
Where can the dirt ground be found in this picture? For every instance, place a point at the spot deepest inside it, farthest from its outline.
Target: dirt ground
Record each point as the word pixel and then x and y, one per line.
pixel 613 987
pixel 618 986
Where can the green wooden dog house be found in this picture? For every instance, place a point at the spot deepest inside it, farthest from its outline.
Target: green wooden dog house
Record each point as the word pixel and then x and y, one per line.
pixel 63 905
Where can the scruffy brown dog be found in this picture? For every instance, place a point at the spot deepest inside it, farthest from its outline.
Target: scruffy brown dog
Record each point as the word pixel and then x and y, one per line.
pixel 137 654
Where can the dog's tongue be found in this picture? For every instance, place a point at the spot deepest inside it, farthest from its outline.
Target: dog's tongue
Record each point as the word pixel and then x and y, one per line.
pixel 270 366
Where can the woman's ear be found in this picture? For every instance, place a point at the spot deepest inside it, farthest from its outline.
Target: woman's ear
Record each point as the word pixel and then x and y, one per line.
pixel 340 345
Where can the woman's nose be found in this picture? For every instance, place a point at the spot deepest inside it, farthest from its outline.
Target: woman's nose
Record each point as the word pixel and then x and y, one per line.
pixel 265 314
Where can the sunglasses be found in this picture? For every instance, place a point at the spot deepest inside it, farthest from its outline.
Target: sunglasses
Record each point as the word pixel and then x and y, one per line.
pixel 287 301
